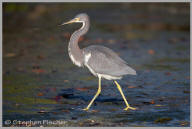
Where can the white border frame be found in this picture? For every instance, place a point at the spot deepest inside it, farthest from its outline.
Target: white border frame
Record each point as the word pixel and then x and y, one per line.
pixel 117 1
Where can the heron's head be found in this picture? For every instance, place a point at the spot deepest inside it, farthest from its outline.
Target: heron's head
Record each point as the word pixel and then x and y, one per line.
pixel 82 17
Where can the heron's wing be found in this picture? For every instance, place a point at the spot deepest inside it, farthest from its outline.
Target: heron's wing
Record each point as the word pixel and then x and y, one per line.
pixel 104 61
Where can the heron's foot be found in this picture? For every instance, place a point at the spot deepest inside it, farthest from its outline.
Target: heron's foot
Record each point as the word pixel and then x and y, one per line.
pixel 86 109
pixel 132 108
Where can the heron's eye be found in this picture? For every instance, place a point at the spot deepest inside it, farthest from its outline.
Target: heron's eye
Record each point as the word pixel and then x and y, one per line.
pixel 77 19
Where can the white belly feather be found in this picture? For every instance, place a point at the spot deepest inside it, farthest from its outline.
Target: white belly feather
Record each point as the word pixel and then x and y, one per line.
pixel 108 77
pixel 74 61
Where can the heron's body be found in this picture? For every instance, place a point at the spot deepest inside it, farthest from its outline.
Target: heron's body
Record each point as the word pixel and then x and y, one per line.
pixel 101 61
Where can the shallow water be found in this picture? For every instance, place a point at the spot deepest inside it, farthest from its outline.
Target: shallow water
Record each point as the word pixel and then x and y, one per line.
pixel 40 83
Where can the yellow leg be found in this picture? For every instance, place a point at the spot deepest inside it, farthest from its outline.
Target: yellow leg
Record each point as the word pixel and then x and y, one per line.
pixel 119 88
pixel 98 92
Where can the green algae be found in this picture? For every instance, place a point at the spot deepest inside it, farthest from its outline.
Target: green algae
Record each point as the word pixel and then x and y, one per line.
pixel 30 101
pixel 21 111
pixel 18 84
pixel 87 78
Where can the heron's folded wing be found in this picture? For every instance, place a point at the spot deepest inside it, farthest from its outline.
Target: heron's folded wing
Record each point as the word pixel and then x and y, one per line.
pixel 109 64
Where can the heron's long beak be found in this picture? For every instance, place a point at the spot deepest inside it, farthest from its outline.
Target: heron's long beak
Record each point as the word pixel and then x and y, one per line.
pixel 71 21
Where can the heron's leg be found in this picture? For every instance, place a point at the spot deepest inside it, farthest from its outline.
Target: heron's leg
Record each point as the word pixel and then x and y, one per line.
pixel 119 88
pixel 98 92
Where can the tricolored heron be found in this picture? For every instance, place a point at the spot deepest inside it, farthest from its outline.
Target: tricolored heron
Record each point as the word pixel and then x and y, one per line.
pixel 101 61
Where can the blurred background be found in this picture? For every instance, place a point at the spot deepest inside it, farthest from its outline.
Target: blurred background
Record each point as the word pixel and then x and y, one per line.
pixel 41 83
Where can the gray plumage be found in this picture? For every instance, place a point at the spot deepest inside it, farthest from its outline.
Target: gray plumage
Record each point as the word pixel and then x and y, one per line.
pixel 104 61
pixel 100 60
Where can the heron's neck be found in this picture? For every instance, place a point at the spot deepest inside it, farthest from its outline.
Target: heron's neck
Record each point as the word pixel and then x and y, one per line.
pixel 75 53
